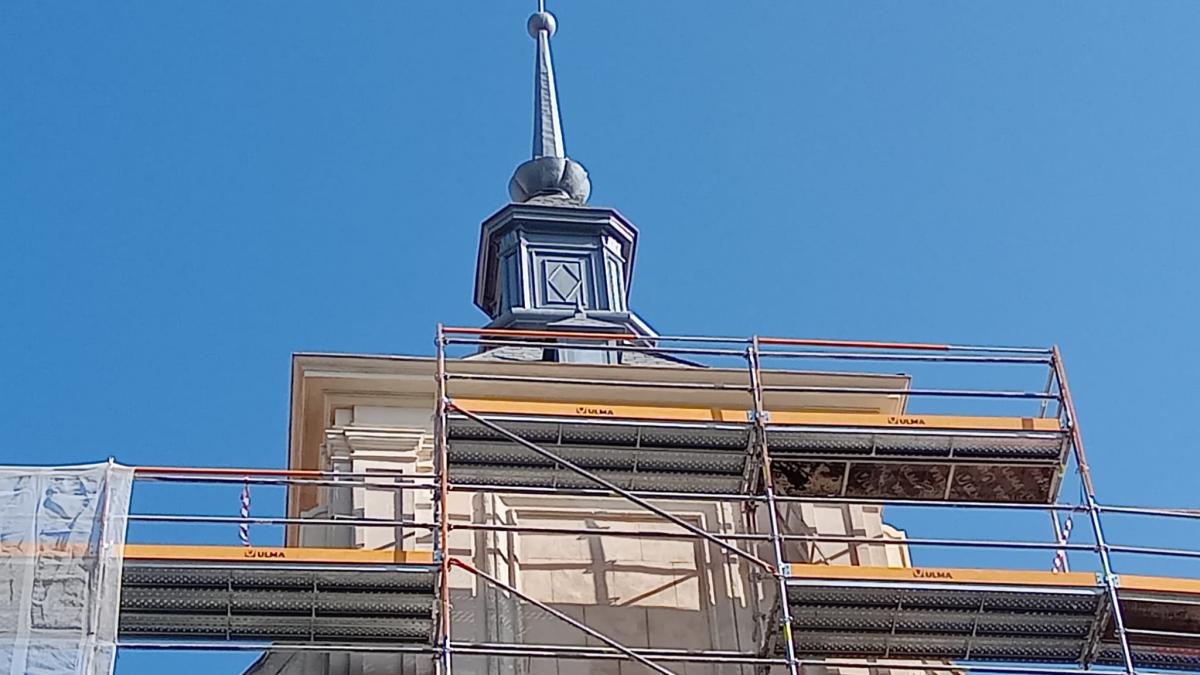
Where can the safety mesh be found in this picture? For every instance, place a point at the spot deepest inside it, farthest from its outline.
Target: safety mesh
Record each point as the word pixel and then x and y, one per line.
pixel 62 536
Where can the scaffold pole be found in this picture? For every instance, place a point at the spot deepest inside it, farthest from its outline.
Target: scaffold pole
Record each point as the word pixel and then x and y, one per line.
pixel 1111 581
pixel 440 516
pixel 760 438
pixel 1107 638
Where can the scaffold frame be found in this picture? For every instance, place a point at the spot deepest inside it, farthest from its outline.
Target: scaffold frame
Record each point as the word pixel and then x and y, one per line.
pixel 759 492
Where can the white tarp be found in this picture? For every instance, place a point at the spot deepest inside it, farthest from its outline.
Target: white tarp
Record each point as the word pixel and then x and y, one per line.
pixel 62 536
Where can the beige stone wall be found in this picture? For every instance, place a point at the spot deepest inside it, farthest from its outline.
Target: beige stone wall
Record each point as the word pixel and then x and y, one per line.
pixel 665 593
pixel 363 413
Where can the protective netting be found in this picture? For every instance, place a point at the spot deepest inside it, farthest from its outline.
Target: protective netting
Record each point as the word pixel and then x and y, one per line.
pixel 62 536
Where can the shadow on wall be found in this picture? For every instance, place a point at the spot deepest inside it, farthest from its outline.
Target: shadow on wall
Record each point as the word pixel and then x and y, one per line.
pixel 669 593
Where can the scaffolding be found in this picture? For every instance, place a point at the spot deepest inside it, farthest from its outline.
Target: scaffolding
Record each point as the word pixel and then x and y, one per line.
pixel 756 456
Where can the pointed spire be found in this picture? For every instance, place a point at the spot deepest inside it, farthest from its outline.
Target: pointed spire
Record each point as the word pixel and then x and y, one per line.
pixel 550 171
pixel 547 126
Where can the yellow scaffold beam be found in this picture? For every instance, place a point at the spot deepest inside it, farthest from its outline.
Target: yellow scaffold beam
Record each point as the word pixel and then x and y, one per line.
pixel 187 553
pixel 782 418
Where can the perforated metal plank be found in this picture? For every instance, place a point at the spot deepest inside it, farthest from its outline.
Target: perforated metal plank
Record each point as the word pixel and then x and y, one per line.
pixel 916 443
pixel 641 459
pixel 942 596
pixel 633 454
pixel 600 431
pixel 276 602
pixel 940 621
pixel 268 576
pixel 912 479
pixel 881 619
pixel 270 627
pixel 1149 656
pixel 917 463
pixel 1004 483
pixel 935 646
pixel 566 478
pixel 263 600
pixel 1173 616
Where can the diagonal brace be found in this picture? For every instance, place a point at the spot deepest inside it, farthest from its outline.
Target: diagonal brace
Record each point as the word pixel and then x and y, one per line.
pixel 708 536
pixel 455 562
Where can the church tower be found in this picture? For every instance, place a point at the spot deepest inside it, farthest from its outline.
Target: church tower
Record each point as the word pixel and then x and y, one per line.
pixel 564 491
pixel 549 260
pixel 563 360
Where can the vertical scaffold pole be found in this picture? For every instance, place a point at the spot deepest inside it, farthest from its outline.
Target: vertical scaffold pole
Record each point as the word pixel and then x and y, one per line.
pixel 102 567
pixel 760 438
pixel 1089 494
pixel 441 519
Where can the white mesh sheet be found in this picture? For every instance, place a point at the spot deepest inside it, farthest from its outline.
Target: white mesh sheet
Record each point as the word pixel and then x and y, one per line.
pixel 62 536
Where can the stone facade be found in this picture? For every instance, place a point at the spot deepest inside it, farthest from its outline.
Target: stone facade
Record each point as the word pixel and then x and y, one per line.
pixel 359 414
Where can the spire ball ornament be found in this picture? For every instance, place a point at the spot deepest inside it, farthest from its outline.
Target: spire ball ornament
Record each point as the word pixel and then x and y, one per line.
pixel 542 21
pixel 545 176
pixel 549 172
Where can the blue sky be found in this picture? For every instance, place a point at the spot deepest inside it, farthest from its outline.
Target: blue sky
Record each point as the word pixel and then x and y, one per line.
pixel 190 192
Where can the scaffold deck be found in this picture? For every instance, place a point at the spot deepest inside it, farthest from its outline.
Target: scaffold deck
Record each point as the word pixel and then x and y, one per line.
pixel 989 615
pixel 295 595
pixel 673 449
pixel 773 448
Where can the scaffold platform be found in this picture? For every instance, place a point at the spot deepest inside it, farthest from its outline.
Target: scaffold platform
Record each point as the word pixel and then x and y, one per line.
pixel 658 448
pixel 989 615
pixel 636 447
pixel 768 442
pixel 305 595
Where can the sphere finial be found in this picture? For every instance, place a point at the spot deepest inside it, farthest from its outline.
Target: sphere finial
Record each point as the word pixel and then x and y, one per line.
pixel 542 21
pixel 549 172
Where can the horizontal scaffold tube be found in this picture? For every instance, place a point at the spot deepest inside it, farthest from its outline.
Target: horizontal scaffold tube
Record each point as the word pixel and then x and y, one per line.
pixel 549 334
pixel 964 543
pixel 225 646
pixel 1139 511
pixel 580 531
pixel 696 496
pixel 705 386
pixel 370 484
pixel 691 351
pixel 141 472
pixel 268 520
pixel 1153 551
pixel 808 342
pixel 911 346
pixel 512 650
pixel 583 381
pixel 933 358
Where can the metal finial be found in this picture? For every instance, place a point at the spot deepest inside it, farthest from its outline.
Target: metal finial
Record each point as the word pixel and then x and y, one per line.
pixel 549 171
pixel 547 125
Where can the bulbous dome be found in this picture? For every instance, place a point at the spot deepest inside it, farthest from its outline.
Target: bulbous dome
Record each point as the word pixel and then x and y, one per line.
pixel 550 175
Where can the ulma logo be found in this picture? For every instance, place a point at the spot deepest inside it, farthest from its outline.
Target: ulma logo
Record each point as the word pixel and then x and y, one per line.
pixel 252 553
pixel 589 410
pixel 931 574
pixel 906 421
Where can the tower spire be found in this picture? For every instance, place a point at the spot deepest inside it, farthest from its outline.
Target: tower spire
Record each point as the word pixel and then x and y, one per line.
pixel 549 172
pixel 548 260
pixel 547 125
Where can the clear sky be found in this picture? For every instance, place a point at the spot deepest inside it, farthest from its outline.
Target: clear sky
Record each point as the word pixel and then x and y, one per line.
pixel 192 191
